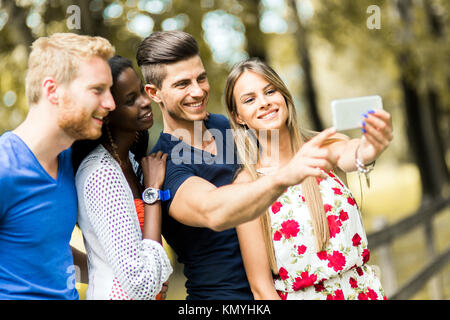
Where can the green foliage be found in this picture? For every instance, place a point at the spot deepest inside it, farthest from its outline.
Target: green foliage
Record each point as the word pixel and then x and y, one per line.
pixel 339 42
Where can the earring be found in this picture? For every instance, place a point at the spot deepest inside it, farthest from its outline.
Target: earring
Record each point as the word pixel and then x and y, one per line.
pixel 136 138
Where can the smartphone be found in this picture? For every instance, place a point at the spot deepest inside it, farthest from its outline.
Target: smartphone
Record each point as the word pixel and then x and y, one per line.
pixel 348 113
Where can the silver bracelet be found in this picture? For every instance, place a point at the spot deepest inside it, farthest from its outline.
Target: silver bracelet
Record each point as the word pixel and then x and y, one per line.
pixel 364 168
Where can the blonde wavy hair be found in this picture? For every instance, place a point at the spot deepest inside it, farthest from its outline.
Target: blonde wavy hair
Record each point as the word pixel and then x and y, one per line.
pixel 59 56
pixel 248 148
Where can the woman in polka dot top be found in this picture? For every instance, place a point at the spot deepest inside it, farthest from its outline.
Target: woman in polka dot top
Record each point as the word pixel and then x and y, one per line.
pixel 124 261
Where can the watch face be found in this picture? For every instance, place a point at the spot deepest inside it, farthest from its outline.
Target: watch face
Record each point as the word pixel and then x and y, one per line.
pixel 150 196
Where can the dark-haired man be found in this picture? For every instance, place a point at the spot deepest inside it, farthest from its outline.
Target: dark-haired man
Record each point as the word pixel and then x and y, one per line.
pixel 199 220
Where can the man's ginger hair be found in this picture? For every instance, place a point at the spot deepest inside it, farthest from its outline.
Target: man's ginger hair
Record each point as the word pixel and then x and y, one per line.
pixel 59 56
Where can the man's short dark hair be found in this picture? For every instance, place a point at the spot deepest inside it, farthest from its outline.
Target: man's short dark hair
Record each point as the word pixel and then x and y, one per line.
pixel 162 48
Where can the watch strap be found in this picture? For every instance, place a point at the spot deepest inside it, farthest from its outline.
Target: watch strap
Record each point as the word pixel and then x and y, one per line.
pixel 164 195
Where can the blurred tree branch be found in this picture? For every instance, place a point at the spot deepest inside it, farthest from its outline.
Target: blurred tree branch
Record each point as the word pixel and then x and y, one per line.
pixel 309 90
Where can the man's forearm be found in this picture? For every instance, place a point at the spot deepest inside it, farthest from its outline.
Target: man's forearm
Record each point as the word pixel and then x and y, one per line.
pixel 199 203
pixel 234 204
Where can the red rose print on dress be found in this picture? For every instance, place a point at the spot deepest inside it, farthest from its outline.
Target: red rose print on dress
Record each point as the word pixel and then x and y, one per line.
pixel 353 283
pixel 334 225
pixel 283 295
pixel 336 261
pixel 311 276
pixel 356 240
pixel 301 249
pixel 363 296
pixel 366 255
pixel 322 255
pixel 276 207
pixel 372 294
pixel 360 271
pixel 283 273
pixel 337 180
pixel 305 280
pixel 277 236
pixel 319 286
pixel 343 216
pixel 338 295
pixel 289 228
pixel 351 201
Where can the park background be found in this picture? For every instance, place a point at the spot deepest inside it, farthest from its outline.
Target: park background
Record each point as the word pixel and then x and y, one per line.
pixel 324 50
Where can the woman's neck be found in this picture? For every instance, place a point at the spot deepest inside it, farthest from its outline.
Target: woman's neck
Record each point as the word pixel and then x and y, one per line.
pixel 120 144
pixel 276 149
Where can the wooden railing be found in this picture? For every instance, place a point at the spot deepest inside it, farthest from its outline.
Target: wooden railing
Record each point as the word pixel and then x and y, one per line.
pixel 381 240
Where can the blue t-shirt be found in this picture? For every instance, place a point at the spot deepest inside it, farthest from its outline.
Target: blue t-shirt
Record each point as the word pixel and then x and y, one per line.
pixel 37 217
pixel 212 260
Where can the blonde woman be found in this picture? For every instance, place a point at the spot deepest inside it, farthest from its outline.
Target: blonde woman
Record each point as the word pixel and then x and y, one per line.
pixel 310 244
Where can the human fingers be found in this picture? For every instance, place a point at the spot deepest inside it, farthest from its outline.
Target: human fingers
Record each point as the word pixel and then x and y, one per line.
pixel 382 120
pixel 163 163
pixel 156 157
pixel 382 114
pixel 315 172
pixel 313 151
pixel 381 136
pixel 370 130
pixel 164 287
pixel 320 163
pixel 376 145
pixel 159 154
pixel 383 124
pixel 320 138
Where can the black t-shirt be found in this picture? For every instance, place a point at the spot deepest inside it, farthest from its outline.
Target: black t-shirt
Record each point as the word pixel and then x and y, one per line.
pixel 212 260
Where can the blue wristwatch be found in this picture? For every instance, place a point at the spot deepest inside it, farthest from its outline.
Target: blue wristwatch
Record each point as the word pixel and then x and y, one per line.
pixel 151 195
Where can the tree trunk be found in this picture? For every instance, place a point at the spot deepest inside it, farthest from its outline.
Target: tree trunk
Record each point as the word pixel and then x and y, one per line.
pixel 436 112
pixel 422 136
pixel 255 38
pixel 420 125
pixel 303 53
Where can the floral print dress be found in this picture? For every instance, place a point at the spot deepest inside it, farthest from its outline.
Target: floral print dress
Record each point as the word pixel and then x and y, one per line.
pixel 337 273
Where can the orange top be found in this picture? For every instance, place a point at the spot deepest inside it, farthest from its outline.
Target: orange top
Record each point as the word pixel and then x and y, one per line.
pixel 139 204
